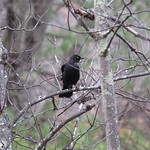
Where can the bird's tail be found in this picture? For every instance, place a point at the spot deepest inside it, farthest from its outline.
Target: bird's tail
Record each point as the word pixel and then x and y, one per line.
pixel 67 94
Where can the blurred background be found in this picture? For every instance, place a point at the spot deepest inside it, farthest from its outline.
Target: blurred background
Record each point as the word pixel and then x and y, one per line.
pixel 41 36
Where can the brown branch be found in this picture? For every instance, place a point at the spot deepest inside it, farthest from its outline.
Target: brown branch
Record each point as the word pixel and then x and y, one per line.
pixel 73 90
pixel 134 50
pixel 55 130
pixel 129 29
pixel 49 97
pixel 72 10
pixel 132 99
pixel 132 76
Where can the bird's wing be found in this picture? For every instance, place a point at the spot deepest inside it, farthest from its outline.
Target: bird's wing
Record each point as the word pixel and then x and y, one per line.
pixel 62 68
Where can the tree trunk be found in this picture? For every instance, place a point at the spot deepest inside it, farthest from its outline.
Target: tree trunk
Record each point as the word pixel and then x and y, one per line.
pixel 107 84
pixel 5 133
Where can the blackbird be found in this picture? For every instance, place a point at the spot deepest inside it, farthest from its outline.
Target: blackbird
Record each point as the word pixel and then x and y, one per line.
pixel 70 74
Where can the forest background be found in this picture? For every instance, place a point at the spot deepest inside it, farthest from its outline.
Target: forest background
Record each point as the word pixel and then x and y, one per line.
pixel 110 107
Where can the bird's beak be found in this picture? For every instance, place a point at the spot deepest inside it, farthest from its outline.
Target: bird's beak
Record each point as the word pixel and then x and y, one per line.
pixel 81 59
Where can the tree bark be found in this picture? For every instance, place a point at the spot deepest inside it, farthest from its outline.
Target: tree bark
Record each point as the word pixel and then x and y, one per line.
pixel 5 133
pixel 107 84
